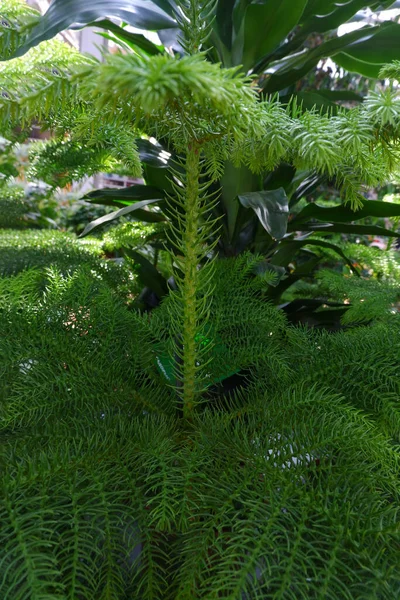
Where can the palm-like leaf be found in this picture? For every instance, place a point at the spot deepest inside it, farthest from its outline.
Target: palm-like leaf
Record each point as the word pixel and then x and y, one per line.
pixel 61 15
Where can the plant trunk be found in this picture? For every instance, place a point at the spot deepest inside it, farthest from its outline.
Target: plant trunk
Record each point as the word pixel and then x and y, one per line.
pixel 190 280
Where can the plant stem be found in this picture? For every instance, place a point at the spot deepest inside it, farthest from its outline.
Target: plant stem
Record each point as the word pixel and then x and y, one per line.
pixel 190 279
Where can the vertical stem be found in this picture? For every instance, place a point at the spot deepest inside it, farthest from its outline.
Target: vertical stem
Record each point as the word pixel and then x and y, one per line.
pixel 190 279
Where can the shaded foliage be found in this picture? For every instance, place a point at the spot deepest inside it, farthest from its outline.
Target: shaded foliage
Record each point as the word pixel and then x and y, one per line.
pixel 284 488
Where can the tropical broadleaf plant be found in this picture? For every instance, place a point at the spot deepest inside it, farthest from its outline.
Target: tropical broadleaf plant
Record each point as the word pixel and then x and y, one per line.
pixel 239 32
pixel 144 14
pixel 238 36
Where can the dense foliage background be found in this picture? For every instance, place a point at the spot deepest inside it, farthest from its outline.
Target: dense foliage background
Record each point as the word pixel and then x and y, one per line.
pixel 259 232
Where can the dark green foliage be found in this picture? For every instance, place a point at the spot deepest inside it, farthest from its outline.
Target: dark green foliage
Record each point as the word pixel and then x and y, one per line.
pixel 14 208
pixel 363 364
pixel 368 300
pixel 277 488
pixel 42 249
pixel 60 163
pixel 242 329
pixel 286 488
pixel 7 161
pixel 76 349
pixel 24 205
pixel 81 318
pixel 368 293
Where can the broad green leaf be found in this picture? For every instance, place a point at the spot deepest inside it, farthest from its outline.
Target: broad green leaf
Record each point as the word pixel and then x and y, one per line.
pixel 262 241
pixel 118 198
pixel 302 270
pixel 345 228
pixel 128 210
pixel 282 176
pixel 320 16
pixel 325 15
pixel 323 100
pixel 271 208
pixel 64 14
pixel 353 65
pixel 132 40
pixel 341 95
pixel 318 9
pixel 266 25
pixel 368 57
pixel 292 68
pixel 171 38
pixel 160 178
pixel 236 181
pixel 335 248
pixel 132 193
pixel 223 22
pixel 286 253
pixel 308 185
pixel 148 273
pixel 246 228
pixel 307 303
pixel 153 155
pixel 141 214
pixel 343 213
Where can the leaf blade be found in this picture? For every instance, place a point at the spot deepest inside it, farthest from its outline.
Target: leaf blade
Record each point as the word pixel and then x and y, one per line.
pixel 63 14
pixel 271 208
pixel 115 215
pixel 343 213
pixel 148 273
pixel 351 229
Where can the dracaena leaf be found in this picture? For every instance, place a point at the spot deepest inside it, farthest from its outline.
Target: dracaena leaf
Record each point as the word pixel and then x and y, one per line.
pixel 272 209
pixel 64 14
pixel 128 210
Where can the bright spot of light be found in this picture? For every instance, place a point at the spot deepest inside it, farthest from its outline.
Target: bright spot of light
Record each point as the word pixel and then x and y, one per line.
pixel 348 27
pixel 150 35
